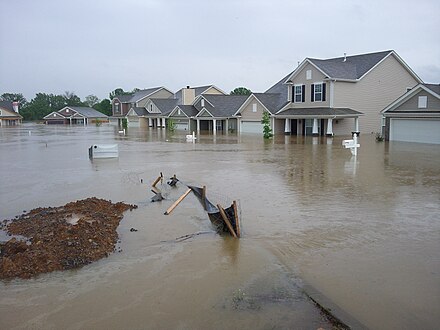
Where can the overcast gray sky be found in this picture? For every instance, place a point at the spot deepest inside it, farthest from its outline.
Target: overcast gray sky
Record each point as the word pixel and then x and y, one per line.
pixel 93 47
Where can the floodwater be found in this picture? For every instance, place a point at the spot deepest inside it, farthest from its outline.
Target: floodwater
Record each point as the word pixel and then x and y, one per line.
pixel 364 231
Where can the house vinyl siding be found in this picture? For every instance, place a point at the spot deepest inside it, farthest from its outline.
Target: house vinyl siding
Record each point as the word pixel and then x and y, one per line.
pixel 412 103
pixel 160 94
pixel 301 79
pixel 373 93
pixel 213 91
pixel 247 113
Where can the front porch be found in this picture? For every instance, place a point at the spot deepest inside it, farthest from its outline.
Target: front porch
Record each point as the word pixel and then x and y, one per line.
pixel 317 122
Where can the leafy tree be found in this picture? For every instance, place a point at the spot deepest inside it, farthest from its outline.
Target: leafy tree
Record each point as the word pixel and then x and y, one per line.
pixel 11 97
pixel 91 100
pixel 267 131
pixel 104 107
pixel 72 99
pixel 241 91
pixel 118 91
pixel 38 107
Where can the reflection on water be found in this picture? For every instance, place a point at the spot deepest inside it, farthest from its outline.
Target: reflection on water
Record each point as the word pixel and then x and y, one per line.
pixel 363 230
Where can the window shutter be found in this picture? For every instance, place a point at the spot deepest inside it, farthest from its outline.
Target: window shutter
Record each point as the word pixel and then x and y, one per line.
pixel 312 93
pixel 323 91
pixel 292 98
pixel 303 93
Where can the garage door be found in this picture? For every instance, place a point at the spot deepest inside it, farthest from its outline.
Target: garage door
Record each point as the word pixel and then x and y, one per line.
pixel 414 130
pixel 182 126
pixel 251 127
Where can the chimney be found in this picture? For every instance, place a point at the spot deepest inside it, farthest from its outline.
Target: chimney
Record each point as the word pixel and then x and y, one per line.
pixel 345 57
pixel 15 106
pixel 188 95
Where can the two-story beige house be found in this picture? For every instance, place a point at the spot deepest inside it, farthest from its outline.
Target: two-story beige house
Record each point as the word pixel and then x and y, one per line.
pixel 339 95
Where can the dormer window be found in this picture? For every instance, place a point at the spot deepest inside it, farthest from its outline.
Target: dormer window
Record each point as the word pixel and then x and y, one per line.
pixel 67 110
pixel 202 102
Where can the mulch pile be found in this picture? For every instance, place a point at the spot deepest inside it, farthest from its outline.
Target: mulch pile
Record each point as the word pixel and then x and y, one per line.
pixel 53 243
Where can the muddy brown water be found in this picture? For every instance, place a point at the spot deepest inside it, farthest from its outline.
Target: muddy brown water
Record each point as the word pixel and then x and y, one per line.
pixel 365 232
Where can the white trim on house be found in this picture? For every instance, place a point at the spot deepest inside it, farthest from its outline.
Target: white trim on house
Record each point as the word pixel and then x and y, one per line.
pixel 52 113
pixel 247 102
pixel 405 97
pixel 155 91
pixel 201 96
pixel 177 108
pixel 202 111
pixel 300 67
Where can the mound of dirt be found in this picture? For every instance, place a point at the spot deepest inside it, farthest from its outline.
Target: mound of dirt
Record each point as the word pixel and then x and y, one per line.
pixel 60 238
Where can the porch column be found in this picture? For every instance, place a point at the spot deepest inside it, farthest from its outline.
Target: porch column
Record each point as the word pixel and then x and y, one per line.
pixel 227 125
pixel 198 125
pixel 330 127
pixel 150 122
pixel 315 127
pixel 356 124
pixel 287 128
pixel 214 126
pixel 164 123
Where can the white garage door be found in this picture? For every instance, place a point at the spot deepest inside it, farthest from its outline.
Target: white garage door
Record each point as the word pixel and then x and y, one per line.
pixel 414 130
pixel 251 127
pixel 182 126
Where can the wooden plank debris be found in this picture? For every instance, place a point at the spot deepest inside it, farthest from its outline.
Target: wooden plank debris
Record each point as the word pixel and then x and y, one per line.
pixel 237 221
pixel 177 202
pixel 226 220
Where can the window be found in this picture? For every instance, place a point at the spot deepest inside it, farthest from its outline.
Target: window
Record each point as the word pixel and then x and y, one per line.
pixel 423 102
pixel 116 107
pixel 298 93
pixel 309 74
pixel 178 112
pixel 254 107
pixel 202 102
pixel 151 108
pixel 318 92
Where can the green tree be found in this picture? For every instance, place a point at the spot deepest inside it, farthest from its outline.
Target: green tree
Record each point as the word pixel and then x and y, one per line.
pixel 91 100
pixel 241 91
pixel 72 99
pixel 118 91
pixel 11 97
pixel 267 131
pixel 104 107
pixel 38 107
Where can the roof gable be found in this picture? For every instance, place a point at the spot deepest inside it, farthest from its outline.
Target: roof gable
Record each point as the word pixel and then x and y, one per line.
pixel 351 68
pixel 431 89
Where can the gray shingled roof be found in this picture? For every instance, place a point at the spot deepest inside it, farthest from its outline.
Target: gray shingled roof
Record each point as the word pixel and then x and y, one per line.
pixel 354 67
pixel 272 101
pixel 89 112
pixel 140 111
pixel 165 105
pixel 143 93
pixel 225 105
pixel 198 90
pixel 434 87
pixel 124 98
pixel 189 110
pixel 6 105
pixel 340 112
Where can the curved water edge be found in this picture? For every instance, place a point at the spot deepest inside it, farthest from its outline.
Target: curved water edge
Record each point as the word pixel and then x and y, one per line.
pixel 363 231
